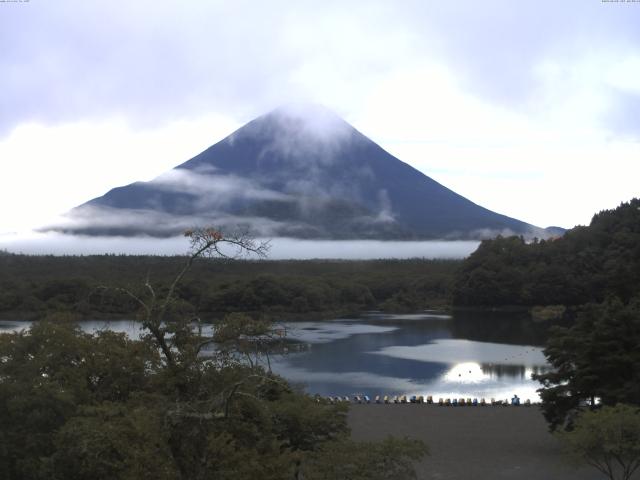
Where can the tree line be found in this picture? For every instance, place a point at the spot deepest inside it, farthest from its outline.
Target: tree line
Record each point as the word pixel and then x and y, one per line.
pixel 31 286
pixel 587 264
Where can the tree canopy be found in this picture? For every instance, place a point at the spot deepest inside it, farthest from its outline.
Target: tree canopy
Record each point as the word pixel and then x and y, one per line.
pixel 32 286
pixel 587 264
pixel 607 439
pixel 78 406
pixel 595 359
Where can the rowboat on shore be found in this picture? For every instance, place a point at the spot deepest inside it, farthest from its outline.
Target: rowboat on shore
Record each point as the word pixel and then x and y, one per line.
pixel 447 402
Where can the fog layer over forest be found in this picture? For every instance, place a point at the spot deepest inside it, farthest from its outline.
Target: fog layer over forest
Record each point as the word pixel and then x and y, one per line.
pixel 281 248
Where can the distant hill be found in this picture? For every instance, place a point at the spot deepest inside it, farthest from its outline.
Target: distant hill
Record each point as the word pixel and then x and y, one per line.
pixel 300 172
pixel 587 264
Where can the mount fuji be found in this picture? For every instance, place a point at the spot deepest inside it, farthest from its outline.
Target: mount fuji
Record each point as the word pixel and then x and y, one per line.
pixel 298 171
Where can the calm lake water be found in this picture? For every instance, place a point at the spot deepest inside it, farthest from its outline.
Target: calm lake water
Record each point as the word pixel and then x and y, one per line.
pixel 468 354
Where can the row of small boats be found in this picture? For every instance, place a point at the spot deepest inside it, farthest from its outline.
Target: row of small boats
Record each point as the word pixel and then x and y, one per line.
pixel 443 402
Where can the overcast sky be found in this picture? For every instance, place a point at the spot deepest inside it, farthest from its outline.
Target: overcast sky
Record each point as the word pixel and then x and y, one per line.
pixel 529 108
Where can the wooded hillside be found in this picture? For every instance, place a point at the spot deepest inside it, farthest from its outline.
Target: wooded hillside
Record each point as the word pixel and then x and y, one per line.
pixel 586 265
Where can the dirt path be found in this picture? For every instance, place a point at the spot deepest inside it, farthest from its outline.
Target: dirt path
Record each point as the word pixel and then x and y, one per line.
pixel 472 443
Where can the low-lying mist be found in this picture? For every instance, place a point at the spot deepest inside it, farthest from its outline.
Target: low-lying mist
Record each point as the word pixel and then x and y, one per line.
pixel 281 248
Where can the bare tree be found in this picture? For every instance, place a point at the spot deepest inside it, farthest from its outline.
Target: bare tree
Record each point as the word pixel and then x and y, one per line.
pixel 204 243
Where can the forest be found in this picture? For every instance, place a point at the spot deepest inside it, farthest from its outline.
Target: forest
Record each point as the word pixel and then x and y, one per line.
pixel 587 264
pixel 32 286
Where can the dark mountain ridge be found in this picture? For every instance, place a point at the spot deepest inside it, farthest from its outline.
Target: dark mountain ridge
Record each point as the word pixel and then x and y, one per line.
pixel 298 172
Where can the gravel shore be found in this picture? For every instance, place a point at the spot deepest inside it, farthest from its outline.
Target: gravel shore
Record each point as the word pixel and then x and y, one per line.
pixel 472 443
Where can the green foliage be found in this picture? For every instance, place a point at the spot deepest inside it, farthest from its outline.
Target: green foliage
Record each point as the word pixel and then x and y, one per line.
pixel 596 358
pixel 113 440
pixel 76 406
pixel 31 286
pixel 607 439
pixel 80 406
pixel 251 338
pixel 389 459
pixel 548 313
pixel 47 374
pixel 587 264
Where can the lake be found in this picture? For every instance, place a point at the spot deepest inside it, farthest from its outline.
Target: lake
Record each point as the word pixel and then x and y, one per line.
pixel 466 354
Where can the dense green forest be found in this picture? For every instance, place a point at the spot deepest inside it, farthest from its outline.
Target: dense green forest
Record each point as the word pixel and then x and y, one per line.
pixel 78 406
pixel 31 286
pixel 587 264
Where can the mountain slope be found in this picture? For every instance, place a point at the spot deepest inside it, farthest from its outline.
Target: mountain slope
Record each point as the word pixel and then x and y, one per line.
pixel 300 172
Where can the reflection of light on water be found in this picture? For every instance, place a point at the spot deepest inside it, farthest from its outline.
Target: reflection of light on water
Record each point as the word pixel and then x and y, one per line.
pixel 475 380
pixel 448 349
pixel 497 371
pixel 467 372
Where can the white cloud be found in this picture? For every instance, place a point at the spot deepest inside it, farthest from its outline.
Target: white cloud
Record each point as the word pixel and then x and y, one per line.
pixel 47 170
pixel 214 190
pixel 625 74
pixel 280 248
pixel 525 109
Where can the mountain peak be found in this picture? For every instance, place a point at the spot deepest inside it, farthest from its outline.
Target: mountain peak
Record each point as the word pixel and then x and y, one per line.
pixel 299 171
pixel 305 122
pixel 304 112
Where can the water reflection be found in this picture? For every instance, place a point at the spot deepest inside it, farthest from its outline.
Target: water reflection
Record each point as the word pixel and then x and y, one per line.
pixel 472 372
pixel 468 350
pixel 498 327
pixel 467 372
pixel 329 331
pixel 11 326
pixel 421 354
pixel 512 371
pixel 425 353
pixel 132 328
